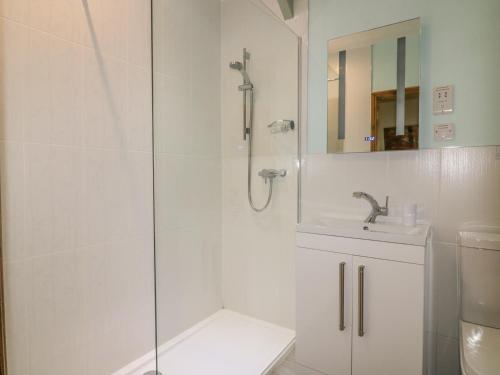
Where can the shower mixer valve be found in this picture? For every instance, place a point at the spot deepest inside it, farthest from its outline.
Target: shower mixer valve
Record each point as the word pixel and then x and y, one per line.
pixel 270 174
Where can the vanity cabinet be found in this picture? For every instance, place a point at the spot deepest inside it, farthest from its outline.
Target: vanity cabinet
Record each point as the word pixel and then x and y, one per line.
pixel 360 306
pixel 320 343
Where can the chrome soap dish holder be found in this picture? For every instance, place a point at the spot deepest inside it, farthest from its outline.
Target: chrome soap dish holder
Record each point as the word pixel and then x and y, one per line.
pixel 281 126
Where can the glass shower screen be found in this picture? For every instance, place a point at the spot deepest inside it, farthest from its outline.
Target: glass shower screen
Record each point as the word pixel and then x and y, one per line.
pixel 224 272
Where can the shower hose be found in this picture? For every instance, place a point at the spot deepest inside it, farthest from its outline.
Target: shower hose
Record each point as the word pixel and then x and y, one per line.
pixel 249 131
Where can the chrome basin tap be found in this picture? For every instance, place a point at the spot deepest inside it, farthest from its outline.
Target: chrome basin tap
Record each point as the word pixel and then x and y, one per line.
pixel 376 209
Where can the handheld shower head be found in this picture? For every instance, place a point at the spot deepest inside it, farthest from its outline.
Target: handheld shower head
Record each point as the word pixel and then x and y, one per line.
pixel 236 65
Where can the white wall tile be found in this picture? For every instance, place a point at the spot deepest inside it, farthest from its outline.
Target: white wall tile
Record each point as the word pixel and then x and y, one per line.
pixel 12 188
pixel 469 190
pixel 67 190
pixel 105 95
pixel 17 289
pixel 139 178
pixel 39 109
pixel 38 199
pixel 172 179
pixel 53 199
pixel 139 114
pixel 168 284
pixel 190 191
pixel 66 92
pixel 40 14
pixel 234 171
pixel 139 33
pixel 137 283
pixel 16 10
pixel 61 18
pixel 172 115
pixel 106 25
pixel 107 206
pixel 55 91
pixel 95 266
pixel 205 67
pixel 206 201
pixel 14 47
pixel 174 37
pixel 67 19
pixel 105 352
pixel 118 304
pixel 418 181
pixel 189 280
pixel 56 313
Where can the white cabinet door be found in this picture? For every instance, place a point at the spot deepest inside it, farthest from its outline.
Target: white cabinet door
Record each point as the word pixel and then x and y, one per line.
pixel 321 343
pixel 393 299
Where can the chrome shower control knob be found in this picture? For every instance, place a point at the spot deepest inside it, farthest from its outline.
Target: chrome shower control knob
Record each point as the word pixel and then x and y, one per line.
pixel 272 173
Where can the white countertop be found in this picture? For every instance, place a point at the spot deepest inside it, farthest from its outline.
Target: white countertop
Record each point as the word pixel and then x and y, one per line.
pixel 381 231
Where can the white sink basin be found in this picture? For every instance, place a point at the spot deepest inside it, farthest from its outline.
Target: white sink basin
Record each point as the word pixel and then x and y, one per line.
pixel 394 229
pixel 383 231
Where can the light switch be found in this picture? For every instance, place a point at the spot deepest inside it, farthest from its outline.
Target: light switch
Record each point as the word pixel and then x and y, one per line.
pixel 444 132
pixel 442 100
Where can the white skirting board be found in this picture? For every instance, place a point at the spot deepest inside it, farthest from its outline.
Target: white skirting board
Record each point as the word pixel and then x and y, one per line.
pixel 226 343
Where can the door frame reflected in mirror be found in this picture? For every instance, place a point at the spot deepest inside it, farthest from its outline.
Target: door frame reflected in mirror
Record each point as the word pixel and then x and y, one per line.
pixel 412 141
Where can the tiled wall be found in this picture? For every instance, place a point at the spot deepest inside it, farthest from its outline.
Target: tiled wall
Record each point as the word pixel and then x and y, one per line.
pixel 76 181
pixel 188 167
pixel 452 187
pixel 258 248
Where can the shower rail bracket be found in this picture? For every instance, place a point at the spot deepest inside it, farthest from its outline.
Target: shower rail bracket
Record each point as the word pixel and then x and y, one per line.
pixel 281 126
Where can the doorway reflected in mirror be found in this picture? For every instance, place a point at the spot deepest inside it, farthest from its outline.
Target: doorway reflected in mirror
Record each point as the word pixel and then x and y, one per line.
pixel 384 135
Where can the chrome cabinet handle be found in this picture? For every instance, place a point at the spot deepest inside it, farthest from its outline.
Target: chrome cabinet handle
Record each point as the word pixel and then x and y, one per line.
pixel 361 300
pixel 341 296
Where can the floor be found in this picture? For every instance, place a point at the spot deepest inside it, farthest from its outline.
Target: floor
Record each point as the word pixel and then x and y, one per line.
pixel 225 343
pixel 290 367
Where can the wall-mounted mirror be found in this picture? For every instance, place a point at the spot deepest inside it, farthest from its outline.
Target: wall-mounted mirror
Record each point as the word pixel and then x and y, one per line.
pixel 374 90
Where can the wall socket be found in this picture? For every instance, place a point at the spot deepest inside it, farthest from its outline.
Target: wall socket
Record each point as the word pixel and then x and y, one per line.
pixel 444 132
pixel 442 100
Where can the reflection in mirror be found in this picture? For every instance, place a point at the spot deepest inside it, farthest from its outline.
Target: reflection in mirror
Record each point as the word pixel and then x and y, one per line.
pixel 373 89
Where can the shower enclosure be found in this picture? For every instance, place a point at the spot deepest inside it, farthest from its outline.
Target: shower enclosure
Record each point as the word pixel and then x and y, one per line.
pixel 225 200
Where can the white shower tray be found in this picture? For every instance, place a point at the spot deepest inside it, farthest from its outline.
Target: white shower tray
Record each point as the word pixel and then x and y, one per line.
pixel 226 343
